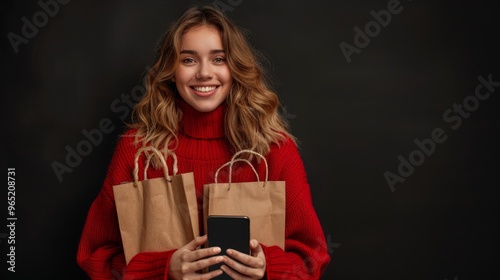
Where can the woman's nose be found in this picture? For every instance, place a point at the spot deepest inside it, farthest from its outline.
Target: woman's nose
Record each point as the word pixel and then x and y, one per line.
pixel 204 71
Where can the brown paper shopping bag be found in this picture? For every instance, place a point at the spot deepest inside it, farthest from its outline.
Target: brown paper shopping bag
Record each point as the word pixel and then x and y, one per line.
pixel 262 202
pixel 156 214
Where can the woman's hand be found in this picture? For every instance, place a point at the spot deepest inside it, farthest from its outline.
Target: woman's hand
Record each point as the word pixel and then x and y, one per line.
pixel 246 266
pixel 187 260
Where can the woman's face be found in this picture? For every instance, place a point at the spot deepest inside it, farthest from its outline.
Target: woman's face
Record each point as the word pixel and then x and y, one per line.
pixel 203 78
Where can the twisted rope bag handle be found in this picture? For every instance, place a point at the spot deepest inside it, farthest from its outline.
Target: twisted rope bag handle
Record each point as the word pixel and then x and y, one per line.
pixel 234 159
pixel 149 157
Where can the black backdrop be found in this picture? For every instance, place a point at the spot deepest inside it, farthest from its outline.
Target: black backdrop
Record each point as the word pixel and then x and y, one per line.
pixel 358 120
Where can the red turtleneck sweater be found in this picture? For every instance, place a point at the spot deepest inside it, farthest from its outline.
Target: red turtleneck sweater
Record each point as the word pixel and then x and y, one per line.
pixel 202 149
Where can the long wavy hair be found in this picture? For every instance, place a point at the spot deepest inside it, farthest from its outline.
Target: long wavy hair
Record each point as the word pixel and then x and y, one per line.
pixel 251 120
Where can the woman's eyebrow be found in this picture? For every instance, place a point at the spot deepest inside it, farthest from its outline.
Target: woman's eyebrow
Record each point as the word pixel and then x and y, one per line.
pixel 195 52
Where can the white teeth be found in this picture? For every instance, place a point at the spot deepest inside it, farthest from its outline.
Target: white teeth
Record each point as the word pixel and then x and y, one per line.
pixel 204 89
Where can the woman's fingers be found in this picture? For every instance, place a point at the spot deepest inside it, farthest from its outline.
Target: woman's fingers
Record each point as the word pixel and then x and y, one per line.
pixel 201 264
pixel 255 247
pixel 244 258
pixel 188 260
pixel 252 261
pixel 195 243
pixel 244 266
pixel 210 275
pixel 190 256
pixel 232 273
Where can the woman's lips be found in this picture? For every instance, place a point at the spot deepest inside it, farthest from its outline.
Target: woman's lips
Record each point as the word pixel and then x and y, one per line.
pixel 204 91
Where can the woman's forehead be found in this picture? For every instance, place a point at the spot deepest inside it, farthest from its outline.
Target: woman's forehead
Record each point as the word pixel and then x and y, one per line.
pixel 201 38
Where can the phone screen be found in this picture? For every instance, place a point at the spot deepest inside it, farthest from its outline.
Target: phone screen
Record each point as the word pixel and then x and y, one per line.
pixel 228 232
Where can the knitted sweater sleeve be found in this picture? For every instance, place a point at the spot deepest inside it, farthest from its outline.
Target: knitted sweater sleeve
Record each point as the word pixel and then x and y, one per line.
pixel 305 255
pixel 100 252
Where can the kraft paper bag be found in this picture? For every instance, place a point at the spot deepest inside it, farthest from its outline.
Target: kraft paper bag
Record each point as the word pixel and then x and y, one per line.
pixel 262 202
pixel 156 214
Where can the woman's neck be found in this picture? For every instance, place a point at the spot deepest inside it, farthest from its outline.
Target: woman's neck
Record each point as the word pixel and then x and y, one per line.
pixel 202 125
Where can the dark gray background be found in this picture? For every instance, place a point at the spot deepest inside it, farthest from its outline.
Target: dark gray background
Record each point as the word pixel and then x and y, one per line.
pixel 353 121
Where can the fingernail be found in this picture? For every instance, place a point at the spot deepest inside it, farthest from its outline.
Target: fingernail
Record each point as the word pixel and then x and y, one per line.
pixel 229 251
pixel 219 259
pixel 217 250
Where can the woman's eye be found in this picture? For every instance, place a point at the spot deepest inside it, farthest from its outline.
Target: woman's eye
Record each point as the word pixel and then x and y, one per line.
pixel 187 60
pixel 219 60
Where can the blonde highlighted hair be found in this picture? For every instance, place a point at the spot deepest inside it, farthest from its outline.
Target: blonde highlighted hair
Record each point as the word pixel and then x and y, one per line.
pixel 252 120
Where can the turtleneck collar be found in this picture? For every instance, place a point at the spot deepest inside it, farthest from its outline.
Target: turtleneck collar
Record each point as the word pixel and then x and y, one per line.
pixel 202 125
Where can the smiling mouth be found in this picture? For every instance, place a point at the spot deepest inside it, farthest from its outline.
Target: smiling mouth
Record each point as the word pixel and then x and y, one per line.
pixel 205 89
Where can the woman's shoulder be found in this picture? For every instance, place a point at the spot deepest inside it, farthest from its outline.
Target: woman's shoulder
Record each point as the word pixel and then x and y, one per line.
pixel 285 149
pixel 126 143
pixel 285 162
pixel 129 132
pixel 127 137
pixel 288 142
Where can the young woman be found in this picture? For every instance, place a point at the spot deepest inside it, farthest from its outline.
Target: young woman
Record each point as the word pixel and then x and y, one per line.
pixel 206 99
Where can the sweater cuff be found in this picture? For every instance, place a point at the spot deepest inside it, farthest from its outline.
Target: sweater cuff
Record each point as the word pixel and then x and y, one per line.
pixel 277 264
pixel 148 265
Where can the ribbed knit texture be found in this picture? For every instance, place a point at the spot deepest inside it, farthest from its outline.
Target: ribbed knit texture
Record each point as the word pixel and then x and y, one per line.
pixel 202 149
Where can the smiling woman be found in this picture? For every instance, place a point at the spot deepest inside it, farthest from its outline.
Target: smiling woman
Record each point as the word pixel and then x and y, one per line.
pixel 206 99
pixel 203 78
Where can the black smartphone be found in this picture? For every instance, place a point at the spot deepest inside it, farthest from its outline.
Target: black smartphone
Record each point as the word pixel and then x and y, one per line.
pixel 228 232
